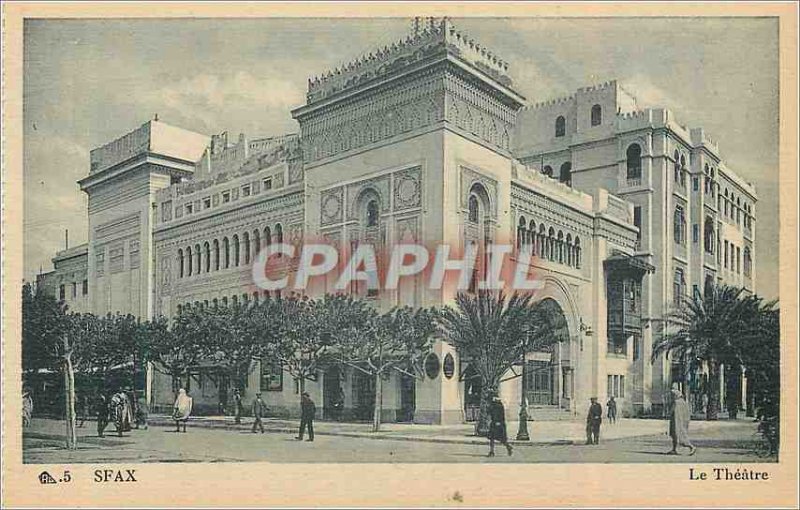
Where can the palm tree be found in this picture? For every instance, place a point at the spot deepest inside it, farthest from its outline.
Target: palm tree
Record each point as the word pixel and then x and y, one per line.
pixel 708 330
pixel 493 331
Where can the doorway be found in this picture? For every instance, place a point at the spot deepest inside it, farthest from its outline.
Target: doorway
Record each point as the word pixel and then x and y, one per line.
pixel 408 395
pixel 333 395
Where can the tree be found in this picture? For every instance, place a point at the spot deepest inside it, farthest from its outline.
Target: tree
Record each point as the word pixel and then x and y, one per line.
pixel 492 331
pixel 379 344
pixel 184 346
pixel 705 330
pixel 237 335
pixel 305 331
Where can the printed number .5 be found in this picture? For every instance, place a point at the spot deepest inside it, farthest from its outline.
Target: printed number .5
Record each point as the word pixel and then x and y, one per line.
pixel 67 477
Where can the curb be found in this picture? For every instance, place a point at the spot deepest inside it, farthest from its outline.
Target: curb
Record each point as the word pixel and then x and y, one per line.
pixel 361 435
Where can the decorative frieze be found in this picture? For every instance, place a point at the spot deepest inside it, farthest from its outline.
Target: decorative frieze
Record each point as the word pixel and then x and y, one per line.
pixel 331 206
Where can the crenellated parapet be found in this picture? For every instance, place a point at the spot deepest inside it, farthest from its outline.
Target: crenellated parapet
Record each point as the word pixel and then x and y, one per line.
pixel 428 38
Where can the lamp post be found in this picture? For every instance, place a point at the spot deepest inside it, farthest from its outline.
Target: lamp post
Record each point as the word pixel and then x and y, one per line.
pixel 522 433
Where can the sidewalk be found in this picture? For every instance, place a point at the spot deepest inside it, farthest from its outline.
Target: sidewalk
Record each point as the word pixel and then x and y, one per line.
pixel 540 432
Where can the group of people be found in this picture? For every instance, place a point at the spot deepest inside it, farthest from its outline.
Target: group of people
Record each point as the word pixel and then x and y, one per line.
pixel 183 409
pixel 679 416
pixel 123 410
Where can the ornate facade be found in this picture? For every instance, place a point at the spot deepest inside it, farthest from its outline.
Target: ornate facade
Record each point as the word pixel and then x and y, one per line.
pixel 425 141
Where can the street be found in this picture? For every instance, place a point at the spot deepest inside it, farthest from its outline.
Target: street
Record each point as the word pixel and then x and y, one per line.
pixel 43 443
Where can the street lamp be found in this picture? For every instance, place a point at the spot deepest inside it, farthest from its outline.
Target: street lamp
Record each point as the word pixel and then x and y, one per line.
pixel 522 433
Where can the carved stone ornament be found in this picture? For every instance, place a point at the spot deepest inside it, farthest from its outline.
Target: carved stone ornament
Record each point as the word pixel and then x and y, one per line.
pixel 407 189
pixel 331 207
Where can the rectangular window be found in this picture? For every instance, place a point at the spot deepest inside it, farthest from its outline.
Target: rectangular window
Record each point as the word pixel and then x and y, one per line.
pixel 695 233
pixel 696 292
pixel 725 264
pixel 622 386
pixel 166 210
pixel 610 385
pixel 207 203
pixel 637 221
pixel 188 208
pixel 271 376
pixel 226 197
pixel 677 287
pixel 85 287
pixel 636 347
pixel 246 190
pixel 74 290
pixel 738 259
pixel 268 184
pixel 62 293
pixel 696 184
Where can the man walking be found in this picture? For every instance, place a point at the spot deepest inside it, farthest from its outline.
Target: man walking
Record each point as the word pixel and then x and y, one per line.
pixel 102 414
pixel 611 407
pixel 238 407
pixel 497 426
pixel 307 412
pixel 593 420
pixel 259 411
pixel 679 423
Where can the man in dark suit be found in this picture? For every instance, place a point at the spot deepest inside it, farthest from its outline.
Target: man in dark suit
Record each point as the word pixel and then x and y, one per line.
pixel 259 411
pixel 593 421
pixel 307 412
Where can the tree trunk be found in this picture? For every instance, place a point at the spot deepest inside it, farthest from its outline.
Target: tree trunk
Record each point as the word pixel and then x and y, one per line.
pixel 378 408
pixel 482 425
pixel 302 384
pixel 69 399
pixel 712 411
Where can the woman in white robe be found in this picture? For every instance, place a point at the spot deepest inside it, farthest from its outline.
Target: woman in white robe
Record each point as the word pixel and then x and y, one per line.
pixel 182 409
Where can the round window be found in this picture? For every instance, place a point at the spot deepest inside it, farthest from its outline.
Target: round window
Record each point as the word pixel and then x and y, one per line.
pixel 449 366
pixel 432 365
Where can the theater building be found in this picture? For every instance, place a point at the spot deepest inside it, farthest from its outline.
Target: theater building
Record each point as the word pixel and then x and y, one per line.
pixel 429 141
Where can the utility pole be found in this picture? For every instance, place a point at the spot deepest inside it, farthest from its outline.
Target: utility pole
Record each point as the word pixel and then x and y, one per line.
pixel 522 433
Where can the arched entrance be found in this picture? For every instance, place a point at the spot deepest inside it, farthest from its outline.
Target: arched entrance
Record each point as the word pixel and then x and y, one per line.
pixel 548 376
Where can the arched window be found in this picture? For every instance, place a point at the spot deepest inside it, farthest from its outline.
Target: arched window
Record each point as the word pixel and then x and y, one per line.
pixel 541 242
pixel 189 260
pixel 634 161
pixel 226 250
pixel 560 247
pixel 532 236
pixel 256 243
pixel 578 252
pixel 677 166
pixel 372 213
pixel 521 234
pixel 246 246
pixel 748 261
pixel 708 235
pixel 180 309
pixel 207 249
pixel 569 250
pixel 216 255
pixel 708 286
pixel 180 264
pixel 267 236
pixel 597 115
pixel 548 170
pixel 197 256
pixel 682 173
pixel 551 241
pixel 474 209
pixel 215 303
pixel 236 250
pixel 279 233
pixel 679 225
pixel 565 174
pixel 561 126
pixel 225 301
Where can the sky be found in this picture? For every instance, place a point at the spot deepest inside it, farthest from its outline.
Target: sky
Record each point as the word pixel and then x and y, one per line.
pixel 87 82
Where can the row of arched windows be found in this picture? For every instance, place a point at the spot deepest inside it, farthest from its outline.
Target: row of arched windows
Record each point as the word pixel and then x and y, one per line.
pixel 549 244
pixel 679 168
pixel 596 119
pixel 227 253
pixel 564 173
pixel 732 208
pixel 233 300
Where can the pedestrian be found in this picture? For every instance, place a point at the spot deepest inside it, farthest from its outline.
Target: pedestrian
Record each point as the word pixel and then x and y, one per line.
pixel 101 408
pixel 83 410
pixel 679 423
pixel 142 413
pixel 182 409
pixel 593 420
pixel 259 411
pixel 307 412
pixel 497 426
pixel 239 408
pixel 27 408
pixel 120 409
pixel 705 403
pixel 611 407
